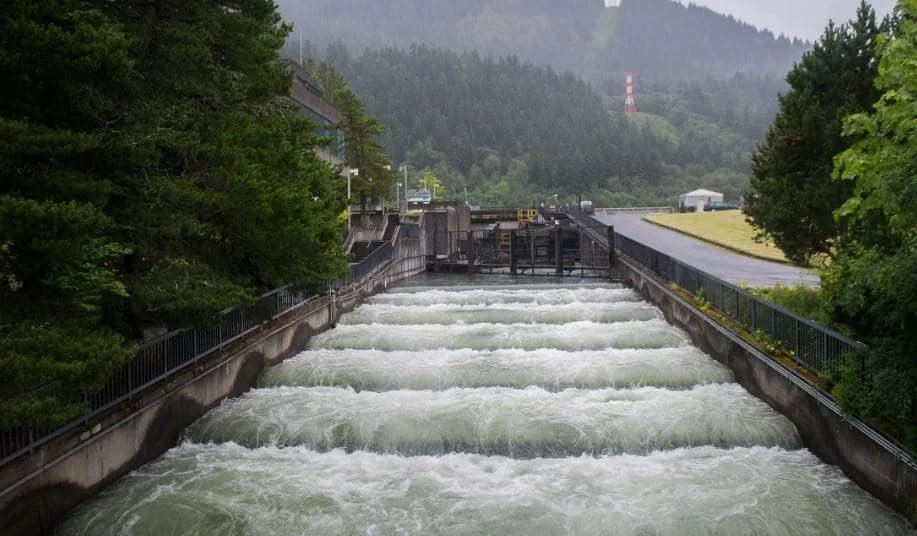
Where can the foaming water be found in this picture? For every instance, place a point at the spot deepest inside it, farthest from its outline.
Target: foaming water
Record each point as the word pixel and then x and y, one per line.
pixel 229 489
pixel 524 423
pixel 549 409
pixel 489 296
pixel 572 336
pixel 507 313
pixel 377 370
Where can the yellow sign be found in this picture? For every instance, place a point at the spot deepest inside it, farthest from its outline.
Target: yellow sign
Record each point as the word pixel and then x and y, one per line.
pixel 524 215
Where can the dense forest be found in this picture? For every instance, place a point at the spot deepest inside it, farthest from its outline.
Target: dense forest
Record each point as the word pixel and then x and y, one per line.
pixel 507 130
pixel 522 100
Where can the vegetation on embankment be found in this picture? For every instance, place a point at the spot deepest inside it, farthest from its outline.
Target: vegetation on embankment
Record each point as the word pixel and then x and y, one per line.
pixel 802 300
pixel 846 186
pixel 726 228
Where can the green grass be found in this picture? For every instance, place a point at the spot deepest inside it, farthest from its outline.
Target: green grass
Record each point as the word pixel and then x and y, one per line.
pixel 726 228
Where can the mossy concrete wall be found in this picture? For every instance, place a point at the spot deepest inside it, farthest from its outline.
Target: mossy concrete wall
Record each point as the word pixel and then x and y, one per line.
pixel 869 459
pixel 40 488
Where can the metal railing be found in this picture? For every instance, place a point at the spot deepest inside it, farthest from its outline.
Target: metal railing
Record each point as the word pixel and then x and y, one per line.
pixel 171 353
pixel 815 347
pixel 642 211
pixel 543 250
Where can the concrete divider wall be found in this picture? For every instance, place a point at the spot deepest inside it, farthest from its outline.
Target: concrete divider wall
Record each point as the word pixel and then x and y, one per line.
pixel 40 488
pixel 866 457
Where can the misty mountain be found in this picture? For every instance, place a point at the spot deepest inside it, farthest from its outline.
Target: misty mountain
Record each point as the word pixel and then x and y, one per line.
pixel 665 40
pixel 661 40
pixel 543 31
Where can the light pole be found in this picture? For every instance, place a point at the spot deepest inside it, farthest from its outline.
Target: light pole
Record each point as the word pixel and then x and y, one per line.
pixel 398 195
pixel 355 172
pixel 404 168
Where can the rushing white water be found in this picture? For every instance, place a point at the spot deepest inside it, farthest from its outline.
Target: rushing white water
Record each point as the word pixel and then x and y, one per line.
pixel 522 423
pixel 533 409
pixel 505 313
pixel 556 370
pixel 501 295
pixel 229 489
pixel 572 336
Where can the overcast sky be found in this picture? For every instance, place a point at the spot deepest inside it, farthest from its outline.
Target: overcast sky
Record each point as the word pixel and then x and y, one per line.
pixel 795 18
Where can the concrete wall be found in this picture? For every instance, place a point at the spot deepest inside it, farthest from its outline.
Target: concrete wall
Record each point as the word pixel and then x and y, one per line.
pixel 39 489
pixel 867 458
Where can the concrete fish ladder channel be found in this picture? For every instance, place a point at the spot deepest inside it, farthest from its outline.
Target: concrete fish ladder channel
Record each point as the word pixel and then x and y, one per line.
pixel 515 410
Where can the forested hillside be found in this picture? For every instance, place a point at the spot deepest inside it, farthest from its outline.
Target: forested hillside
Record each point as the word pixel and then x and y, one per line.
pixel 509 131
pixel 487 104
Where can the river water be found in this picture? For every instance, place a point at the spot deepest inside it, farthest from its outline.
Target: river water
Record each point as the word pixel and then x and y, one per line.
pixel 491 409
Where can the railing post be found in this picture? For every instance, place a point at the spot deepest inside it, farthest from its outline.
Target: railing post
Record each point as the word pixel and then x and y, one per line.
pixel 512 252
pixel 754 315
pixel 471 252
pixel 610 233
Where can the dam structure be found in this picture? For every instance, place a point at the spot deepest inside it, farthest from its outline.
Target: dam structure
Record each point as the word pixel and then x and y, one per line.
pixel 491 405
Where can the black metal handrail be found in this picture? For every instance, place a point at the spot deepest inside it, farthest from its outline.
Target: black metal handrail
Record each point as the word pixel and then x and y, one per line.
pixel 172 352
pixel 813 346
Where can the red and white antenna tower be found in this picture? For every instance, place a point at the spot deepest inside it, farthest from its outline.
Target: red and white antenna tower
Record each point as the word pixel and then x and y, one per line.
pixel 630 105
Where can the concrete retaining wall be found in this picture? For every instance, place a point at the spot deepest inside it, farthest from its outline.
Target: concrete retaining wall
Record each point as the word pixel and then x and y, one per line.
pixel 866 457
pixel 39 489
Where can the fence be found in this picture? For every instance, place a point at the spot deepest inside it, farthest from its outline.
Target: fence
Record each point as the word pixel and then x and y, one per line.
pixel 171 353
pixel 811 345
pixel 641 211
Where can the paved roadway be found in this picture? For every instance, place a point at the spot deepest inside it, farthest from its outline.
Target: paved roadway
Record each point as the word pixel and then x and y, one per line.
pixel 725 264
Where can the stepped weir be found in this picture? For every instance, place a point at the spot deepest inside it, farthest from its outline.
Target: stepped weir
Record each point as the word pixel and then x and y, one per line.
pixel 469 407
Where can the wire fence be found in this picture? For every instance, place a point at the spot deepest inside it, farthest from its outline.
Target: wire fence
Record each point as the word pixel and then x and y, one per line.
pixel 173 352
pixel 813 346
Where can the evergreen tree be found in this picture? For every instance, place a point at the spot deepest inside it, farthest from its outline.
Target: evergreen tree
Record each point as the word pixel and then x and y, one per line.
pixel 152 172
pixel 361 133
pixel 63 67
pixel 792 197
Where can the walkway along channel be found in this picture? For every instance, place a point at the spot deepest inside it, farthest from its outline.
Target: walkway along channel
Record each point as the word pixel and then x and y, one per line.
pixel 871 459
pixel 174 380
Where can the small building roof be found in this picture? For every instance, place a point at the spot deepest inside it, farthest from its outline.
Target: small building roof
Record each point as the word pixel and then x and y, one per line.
pixel 702 193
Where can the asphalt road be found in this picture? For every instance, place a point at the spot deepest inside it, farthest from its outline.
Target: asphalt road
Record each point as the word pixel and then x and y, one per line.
pixel 723 263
